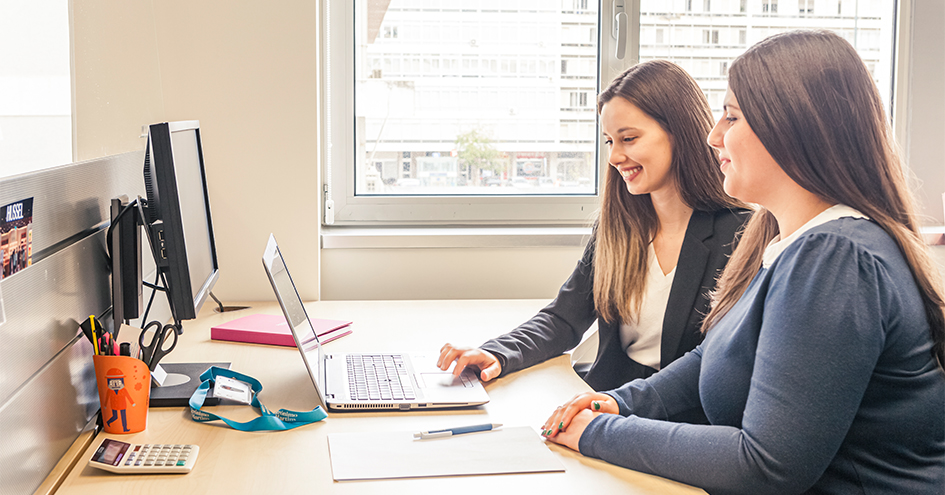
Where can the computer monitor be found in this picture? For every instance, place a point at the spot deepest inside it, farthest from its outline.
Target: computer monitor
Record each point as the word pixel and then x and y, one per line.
pixel 178 215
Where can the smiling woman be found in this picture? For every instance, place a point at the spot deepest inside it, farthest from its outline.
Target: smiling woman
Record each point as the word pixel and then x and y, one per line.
pixel 35 88
pixel 664 231
pixel 639 148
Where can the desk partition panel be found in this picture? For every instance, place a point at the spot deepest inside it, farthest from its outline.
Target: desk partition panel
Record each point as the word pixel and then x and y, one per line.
pixel 47 383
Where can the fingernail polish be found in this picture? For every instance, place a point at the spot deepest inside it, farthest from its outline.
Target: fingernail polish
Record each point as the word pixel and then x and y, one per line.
pixel 561 425
pixel 596 406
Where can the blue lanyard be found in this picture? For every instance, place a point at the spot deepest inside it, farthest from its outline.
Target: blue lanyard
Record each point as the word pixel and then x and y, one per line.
pixel 282 419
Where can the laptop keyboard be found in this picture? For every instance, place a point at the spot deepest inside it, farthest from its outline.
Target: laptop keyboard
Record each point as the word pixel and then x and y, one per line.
pixel 378 377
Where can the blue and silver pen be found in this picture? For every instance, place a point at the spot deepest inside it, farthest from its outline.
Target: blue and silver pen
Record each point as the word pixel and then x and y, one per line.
pixel 423 435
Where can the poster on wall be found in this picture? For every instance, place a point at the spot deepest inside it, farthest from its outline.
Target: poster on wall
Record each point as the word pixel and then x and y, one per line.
pixel 16 236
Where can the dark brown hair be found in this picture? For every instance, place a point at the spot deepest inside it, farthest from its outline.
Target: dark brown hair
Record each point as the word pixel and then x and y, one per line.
pixel 627 223
pixel 811 101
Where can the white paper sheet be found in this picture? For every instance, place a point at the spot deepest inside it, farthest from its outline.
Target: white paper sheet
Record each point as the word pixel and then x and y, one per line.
pixel 384 455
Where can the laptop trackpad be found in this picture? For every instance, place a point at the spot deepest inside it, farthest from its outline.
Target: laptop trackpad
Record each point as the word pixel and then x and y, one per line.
pixel 443 380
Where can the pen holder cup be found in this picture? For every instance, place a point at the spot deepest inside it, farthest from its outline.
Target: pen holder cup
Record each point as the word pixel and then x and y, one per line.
pixel 124 387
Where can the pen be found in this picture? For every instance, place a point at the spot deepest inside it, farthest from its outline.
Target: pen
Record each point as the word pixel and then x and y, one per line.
pixel 455 431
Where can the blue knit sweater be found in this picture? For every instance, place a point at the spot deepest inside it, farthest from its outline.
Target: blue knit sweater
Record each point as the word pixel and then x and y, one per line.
pixel 819 380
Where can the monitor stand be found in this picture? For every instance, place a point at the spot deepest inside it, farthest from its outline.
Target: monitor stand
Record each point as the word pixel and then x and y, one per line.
pixel 224 309
pixel 180 383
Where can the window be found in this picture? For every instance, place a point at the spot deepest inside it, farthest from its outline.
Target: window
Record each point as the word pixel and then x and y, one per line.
pixel 578 99
pixel 710 36
pixel 805 7
pixel 449 112
pixel 484 112
pixel 35 86
pixel 869 29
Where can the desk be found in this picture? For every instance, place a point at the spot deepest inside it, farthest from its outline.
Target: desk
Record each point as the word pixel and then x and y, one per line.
pixel 297 460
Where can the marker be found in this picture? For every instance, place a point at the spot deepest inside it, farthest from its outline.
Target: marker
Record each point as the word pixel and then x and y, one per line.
pixel 94 335
pixel 423 435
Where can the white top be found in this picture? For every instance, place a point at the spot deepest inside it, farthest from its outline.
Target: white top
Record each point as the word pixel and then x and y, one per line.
pixel 642 338
pixel 777 245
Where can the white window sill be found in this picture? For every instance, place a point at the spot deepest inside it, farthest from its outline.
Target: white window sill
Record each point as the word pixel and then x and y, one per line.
pixel 452 237
pixel 483 237
pixel 934 236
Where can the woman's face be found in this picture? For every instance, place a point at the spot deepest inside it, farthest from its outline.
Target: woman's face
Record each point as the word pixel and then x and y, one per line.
pixel 751 174
pixel 639 147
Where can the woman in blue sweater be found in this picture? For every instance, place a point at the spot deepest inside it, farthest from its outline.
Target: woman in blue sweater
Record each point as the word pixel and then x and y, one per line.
pixel 822 367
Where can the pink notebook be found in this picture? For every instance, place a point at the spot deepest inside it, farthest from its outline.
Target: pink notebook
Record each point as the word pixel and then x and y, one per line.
pixel 273 329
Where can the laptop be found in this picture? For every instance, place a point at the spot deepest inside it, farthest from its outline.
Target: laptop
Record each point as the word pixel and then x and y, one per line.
pixel 365 382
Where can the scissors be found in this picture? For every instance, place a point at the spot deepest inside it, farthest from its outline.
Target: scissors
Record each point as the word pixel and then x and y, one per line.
pixel 156 350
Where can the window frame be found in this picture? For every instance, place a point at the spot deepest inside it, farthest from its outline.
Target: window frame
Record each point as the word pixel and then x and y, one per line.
pixel 336 135
pixel 337 149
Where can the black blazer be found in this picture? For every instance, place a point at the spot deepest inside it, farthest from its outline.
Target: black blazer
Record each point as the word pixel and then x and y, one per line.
pixel 559 326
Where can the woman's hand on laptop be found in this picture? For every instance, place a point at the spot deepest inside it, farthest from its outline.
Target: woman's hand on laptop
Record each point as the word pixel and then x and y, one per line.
pixel 487 363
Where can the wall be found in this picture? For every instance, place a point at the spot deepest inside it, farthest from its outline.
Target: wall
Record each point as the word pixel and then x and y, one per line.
pixel 451 273
pixel 47 385
pixel 116 76
pixel 924 142
pixel 247 72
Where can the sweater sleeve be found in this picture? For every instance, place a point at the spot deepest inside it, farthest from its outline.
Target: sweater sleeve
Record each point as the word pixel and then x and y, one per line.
pixel 672 391
pixel 556 328
pixel 820 337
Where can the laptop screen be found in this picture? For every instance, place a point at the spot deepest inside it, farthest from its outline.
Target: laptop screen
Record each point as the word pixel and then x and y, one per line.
pixel 295 315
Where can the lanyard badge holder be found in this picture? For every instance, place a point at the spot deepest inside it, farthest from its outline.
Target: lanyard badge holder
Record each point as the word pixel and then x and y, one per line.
pixel 282 419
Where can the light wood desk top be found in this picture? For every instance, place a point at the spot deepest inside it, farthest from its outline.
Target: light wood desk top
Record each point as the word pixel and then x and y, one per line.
pixel 297 460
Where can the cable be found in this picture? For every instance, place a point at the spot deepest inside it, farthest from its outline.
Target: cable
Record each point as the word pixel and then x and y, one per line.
pixel 170 303
pixel 111 227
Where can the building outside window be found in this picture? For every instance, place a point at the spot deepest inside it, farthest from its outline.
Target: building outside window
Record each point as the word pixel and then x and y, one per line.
pixel 494 100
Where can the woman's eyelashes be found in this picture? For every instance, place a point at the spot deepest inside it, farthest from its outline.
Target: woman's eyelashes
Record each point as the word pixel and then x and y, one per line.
pixel 629 139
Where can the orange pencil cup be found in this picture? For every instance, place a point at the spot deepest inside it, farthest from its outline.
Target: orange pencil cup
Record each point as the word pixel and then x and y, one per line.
pixel 124 387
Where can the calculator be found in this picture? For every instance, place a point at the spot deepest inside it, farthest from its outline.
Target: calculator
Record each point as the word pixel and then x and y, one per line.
pixel 127 458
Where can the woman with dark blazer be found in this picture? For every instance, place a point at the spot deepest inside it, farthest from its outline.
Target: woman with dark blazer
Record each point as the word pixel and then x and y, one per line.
pixel 663 234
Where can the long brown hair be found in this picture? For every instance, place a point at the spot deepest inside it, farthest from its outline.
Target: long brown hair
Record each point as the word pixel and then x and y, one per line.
pixel 811 101
pixel 627 223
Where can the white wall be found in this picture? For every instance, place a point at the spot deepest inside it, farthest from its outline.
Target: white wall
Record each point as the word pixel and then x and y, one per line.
pixel 247 72
pixel 446 273
pixel 116 76
pixel 923 108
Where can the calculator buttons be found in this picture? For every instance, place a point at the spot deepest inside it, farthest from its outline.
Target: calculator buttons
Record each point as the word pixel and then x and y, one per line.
pixel 148 458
